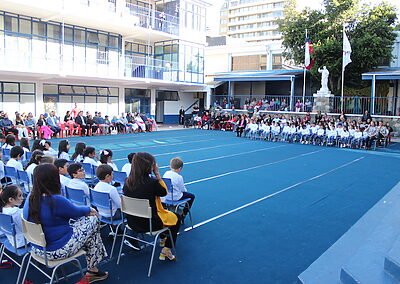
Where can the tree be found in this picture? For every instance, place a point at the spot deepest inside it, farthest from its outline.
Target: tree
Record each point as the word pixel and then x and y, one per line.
pixel 370 31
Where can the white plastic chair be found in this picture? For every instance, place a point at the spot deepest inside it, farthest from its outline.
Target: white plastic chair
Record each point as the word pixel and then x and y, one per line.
pixel 141 208
pixel 34 234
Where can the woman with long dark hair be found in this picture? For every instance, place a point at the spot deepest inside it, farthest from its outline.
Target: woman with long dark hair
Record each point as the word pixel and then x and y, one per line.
pixel 46 206
pixel 140 185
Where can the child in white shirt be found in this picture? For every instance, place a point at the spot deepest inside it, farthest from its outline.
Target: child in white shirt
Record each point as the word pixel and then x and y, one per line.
pixel 62 166
pixel 127 167
pixel 16 154
pixel 63 149
pixel 104 173
pixel 179 191
pixel 10 199
pixel 77 174
pixel 106 158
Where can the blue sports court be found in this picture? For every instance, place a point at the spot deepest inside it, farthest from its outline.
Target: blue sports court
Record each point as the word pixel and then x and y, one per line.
pixel 264 211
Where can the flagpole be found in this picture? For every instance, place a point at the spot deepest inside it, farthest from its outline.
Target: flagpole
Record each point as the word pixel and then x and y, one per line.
pixel 342 92
pixel 304 79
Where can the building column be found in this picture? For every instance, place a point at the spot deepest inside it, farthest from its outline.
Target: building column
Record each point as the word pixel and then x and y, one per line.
pixel 153 102
pixel 121 100
pixel 208 98
pixel 292 93
pixel 372 111
pixel 39 103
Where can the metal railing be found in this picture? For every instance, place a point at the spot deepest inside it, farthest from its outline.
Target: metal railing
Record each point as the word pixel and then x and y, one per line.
pixel 385 106
pixel 150 68
pixel 156 20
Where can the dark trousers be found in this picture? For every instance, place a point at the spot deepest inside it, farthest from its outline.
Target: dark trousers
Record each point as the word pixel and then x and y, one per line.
pixel 184 196
pixel 174 232
pixel 239 131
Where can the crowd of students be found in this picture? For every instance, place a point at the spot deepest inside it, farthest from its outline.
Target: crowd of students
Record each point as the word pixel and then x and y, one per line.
pixel 73 123
pixel 323 130
pixel 47 204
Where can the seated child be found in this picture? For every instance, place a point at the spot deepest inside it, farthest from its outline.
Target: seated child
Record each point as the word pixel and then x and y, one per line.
pixel 10 199
pixel 62 166
pixel 179 190
pixel 16 154
pixel 104 173
pixel 127 167
pixel 77 174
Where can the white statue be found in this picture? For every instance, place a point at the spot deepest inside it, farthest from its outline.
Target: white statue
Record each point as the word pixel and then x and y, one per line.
pixel 324 79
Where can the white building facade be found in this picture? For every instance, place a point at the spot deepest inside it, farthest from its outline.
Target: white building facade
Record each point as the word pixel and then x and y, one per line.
pixel 111 56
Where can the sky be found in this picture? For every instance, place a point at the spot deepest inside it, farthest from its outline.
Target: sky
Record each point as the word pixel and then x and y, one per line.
pixel 213 11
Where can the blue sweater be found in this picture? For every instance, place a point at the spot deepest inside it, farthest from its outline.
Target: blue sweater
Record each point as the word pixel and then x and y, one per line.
pixel 55 213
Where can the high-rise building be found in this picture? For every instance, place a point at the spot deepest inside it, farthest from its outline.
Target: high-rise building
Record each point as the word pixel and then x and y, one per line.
pixel 110 56
pixel 251 20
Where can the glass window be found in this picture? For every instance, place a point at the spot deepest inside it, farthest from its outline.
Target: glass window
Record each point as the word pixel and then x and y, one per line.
pixel 113 41
pixel 103 91
pixel 27 88
pixel 78 99
pixel 91 90
pixel 92 37
pixel 54 31
pixel 1 22
pixel 78 89
pixel 103 39
pixel 11 24
pixel 11 98
pixel 11 87
pixel 66 89
pixel 79 35
pixel 114 92
pixel 50 89
pixel 25 26
pixel 68 34
pixel 39 28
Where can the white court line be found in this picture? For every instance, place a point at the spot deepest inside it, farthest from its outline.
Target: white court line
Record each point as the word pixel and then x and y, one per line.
pixel 143 137
pixel 271 195
pixel 158 145
pixel 226 156
pixel 252 168
pixel 197 149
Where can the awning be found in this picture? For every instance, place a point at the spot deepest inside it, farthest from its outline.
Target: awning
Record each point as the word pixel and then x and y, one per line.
pixel 271 75
pixel 383 74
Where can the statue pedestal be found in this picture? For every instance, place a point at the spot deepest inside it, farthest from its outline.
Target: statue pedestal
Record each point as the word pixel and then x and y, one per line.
pixel 323 101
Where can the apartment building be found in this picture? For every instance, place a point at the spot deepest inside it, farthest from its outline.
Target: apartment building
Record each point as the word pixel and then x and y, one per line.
pixel 111 56
pixel 251 20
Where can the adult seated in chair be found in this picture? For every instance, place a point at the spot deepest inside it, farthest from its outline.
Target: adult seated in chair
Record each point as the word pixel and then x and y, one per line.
pixel 82 122
pixel 7 125
pixel 52 122
pixel 140 185
pixel 46 206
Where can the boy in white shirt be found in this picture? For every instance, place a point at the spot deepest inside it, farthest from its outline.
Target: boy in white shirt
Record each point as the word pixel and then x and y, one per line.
pixel 62 166
pixel 127 167
pixel 77 174
pixel 104 173
pixel 179 191
pixel 16 153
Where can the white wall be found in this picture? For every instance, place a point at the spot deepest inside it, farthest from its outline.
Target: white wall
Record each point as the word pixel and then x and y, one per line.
pixel 172 107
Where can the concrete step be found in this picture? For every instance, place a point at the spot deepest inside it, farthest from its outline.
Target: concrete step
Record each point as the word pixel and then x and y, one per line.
pixel 392 261
pixel 327 268
pixel 367 264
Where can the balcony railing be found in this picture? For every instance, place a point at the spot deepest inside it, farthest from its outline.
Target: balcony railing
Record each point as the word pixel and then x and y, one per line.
pixel 148 67
pixel 148 18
